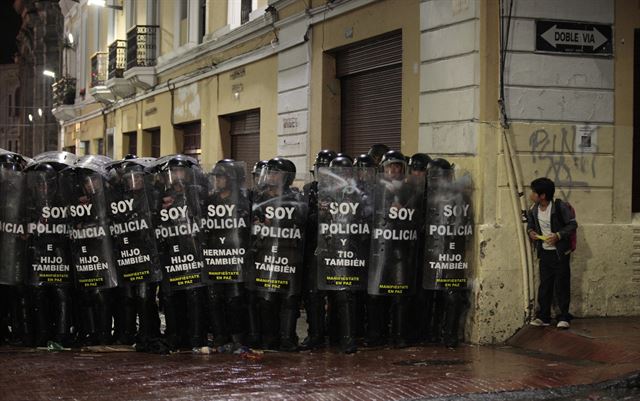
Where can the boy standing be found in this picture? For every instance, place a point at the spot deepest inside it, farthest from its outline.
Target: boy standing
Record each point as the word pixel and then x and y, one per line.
pixel 550 226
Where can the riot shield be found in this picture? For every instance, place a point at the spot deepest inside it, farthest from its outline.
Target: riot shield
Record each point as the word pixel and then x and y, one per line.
pixel 226 225
pixel 397 218
pixel 449 228
pixel 47 220
pixel 279 215
pixel 12 229
pixel 345 216
pixel 86 191
pixel 176 218
pixel 131 227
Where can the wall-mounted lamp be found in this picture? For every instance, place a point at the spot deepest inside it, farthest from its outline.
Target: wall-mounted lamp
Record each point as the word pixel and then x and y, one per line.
pixel 103 3
pixel 30 117
pixel 39 112
pixel 49 73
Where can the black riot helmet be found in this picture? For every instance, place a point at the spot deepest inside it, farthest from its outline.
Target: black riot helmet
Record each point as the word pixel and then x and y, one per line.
pixel 345 155
pixel 12 161
pixel 419 162
pixel 364 160
pixel 393 157
pixel 280 164
pixel 227 168
pixel 257 168
pixel 130 156
pixel 377 151
pixel 341 161
pixel 442 164
pixel 440 169
pixel 323 158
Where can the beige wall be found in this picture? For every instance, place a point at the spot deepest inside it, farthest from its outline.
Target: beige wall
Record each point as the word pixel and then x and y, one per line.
pixel 366 22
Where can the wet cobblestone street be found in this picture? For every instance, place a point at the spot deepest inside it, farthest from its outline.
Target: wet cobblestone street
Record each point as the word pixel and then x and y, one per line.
pixel 374 374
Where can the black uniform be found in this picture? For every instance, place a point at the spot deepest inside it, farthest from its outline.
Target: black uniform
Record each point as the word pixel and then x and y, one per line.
pixel 176 215
pixel 279 217
pixel 88 191
pixel 136 253
pixel 15 302
pixel 449 228
pixel 227 236
pixel 49 276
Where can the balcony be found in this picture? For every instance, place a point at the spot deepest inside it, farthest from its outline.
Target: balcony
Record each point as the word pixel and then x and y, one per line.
pixel 141 56
pixel 99 73
pixel 117 84
pixel 64 96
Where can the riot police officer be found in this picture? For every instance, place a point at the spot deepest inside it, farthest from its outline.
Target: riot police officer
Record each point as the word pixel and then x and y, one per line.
pixel 344 213
pixel 227 235
pixel 314 300
pixel 86 184
pixel 393 251
pixel 136 253
pixel 422 301
pixel 48 253
pixel 176 215
pixel 279 217
pixel 377 151
pixel 450 282
pixel 12 247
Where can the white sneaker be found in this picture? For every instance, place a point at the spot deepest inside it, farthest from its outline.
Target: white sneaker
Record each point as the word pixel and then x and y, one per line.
pixel 538 322
pixel 563 324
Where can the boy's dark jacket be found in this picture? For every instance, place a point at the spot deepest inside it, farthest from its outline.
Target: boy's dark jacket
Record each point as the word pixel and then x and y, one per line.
pixel 561 225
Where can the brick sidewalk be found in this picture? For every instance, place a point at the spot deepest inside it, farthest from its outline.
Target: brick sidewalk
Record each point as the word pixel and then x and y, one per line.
pixel 535 359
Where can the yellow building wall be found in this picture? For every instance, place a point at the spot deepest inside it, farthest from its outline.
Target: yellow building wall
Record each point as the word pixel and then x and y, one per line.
pixel 366 22
pixel 167 12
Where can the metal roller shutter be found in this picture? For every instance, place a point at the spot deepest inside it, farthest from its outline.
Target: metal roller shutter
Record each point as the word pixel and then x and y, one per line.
pixel 245 137
pixel 371 93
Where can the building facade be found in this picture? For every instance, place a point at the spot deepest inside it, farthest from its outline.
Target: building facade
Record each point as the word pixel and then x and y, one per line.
pixel 39 50
pixel 9 107
pixel 508 91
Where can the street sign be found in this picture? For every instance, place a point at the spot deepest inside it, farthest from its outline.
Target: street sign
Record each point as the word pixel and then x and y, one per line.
pixel 573 37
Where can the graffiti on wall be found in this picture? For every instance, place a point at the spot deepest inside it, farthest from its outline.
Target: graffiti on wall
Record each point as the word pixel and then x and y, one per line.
pixel 557 153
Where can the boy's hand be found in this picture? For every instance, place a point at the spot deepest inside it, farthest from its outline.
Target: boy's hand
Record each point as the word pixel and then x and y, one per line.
pixel 553 238
pixel 533 235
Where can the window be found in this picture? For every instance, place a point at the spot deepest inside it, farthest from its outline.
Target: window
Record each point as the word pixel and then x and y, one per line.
pixel 100 146
pixel 130 143
pixel 191 139
pixel 239 11
pixel 155 143
pixel 85 148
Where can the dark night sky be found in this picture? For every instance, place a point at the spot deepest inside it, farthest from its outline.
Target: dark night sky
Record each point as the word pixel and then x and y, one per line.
pixel 9 27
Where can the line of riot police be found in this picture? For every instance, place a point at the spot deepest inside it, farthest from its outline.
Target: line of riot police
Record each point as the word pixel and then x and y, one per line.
pixel 94 249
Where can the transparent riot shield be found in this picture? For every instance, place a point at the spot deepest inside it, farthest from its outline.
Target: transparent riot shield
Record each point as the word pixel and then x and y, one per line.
pixel 279 215
pixel 86 192
pixel 449 229
pixel 47 221
pixel 12 229
pixel 398 215
pixel 176 218
pixel 345 217
pixel 226 225
pixel 135 249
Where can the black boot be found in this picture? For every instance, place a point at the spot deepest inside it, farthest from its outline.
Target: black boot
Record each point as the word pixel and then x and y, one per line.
pixel 63 316
pixel 268 306
pixel 41 314
pixel 314 306
pixel 453 311
pixel 237 319
pixel 345 304
pixel 289 313
pixel 125 316
pixel 147 308
pixel 253 337
pixel 400 322
pixel 21 321
pixel 195 316
pixel 377 321
pixel 217 319
pixel 103 314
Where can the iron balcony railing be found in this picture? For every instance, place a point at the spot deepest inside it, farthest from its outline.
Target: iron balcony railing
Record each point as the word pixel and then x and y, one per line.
pixel 117 58
pixel 99 63
pixel 141 46
pixel 64 91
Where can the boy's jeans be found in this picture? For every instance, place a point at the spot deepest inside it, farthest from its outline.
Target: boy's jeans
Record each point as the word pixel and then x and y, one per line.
pixel 555 273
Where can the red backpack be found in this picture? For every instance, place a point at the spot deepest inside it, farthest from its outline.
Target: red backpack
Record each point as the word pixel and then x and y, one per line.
pixel 573 237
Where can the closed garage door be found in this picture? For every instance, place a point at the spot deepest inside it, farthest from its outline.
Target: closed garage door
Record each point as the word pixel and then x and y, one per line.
pixel 244 133
pixel 370 75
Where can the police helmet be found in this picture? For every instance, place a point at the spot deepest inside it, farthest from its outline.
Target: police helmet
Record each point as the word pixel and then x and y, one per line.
pixel 341 161
pixel 227 168
pixel 324 157
pixel 364 160
pixel 283 165
pixel 257 168
pixel 377 151
pixel 419 162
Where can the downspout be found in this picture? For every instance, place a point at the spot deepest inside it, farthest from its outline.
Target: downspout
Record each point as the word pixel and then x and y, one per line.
pixel 514 177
